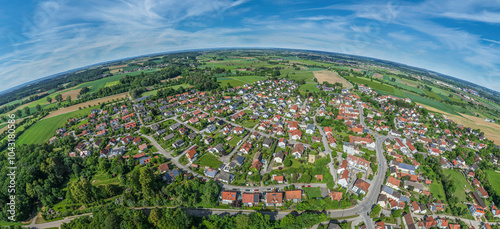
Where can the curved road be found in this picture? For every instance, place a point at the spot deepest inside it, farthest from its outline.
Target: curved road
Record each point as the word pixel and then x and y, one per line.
pixel 362 209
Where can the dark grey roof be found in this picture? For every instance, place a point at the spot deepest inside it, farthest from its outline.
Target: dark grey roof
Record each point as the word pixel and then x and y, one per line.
pixel 240 160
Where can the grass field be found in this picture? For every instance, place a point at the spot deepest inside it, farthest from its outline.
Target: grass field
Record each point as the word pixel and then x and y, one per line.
pixel 238 80
pixel 297 74
pixel 460 182
pixel 184 85
pixel 209 160
pixel 433 95
pixel 44 129
pixel 102 179
pixel 248 79
pixel 95 85
pixel 309 87
pixel 313 193
pixel 112 83
pixel 494 178
pixel 373 84
pixel 311 62
pixel 234 141
pixel 231 82
pixel 432 103
pixel 438 191
pixel 152 93
pixel 249 123
pixel 94 102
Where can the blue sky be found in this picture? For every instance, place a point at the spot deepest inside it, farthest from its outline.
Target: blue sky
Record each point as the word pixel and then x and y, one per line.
pixel 458 38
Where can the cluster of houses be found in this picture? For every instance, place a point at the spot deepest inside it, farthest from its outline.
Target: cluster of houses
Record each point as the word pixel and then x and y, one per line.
pixel 283 120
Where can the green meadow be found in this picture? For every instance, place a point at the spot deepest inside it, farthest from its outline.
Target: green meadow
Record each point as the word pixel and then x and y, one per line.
pixel 44 129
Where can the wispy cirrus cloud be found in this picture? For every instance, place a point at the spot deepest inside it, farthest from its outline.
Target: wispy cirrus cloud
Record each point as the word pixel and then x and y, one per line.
pixel 78 33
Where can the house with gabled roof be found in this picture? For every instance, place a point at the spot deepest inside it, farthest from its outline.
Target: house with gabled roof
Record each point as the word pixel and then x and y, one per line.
pixel 294 195
pixel 274 199
pixel 337 196
pixel 250 199
pixel 228 197
pixel 360 187
pixel 298 150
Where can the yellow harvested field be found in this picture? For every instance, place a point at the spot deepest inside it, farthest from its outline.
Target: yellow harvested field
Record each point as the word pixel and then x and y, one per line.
pixel 330 77
pixel 243 57
pixel 378 75
pixel 117 66
pixel 86 104
pixel 73 93
pixel 116 70
pixel 491 130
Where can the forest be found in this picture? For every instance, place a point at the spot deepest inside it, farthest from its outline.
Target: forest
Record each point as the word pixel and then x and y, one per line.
pixel 110 217
pixel 47 175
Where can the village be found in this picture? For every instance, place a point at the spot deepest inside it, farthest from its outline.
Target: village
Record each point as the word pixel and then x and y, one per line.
pixel 271 147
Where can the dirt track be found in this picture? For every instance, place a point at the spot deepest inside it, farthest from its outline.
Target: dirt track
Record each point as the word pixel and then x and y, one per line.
pixel 86 104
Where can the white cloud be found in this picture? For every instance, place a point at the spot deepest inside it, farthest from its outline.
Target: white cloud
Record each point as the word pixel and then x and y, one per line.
pixel 485 16
pixel 107 30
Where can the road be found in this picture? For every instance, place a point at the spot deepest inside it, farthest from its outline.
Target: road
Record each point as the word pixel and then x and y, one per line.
pixel 57 223
pixel 362 209
pixel 328 151
pixel 198 212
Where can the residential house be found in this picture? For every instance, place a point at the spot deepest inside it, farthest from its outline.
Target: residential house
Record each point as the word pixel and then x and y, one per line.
pixel 298 150
pixel 274 199
pixel 278 157
pixel 344 178
pixel 228 197
pixel 294 195
pixel 337 196
pixel 476 210
pixel 250 199
pixel 360 187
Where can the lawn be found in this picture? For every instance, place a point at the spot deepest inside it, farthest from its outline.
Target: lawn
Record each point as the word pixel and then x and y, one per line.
pixel 373 84
pixel 100 83
pixel 438 191
pixel 152 93
pixel 460 182
pixel 102 179
pixel 312 62
pixel 247 79
pixel 432 103
pixel 44 129
pixel 313 193
pixel 433 95
pixel 230 81
pixel 175 87
pixel 308 76
pixel 112 83
pixel 184 85
pixel 234 141
pixel 309 87
pixel 209 160
pixel 249 123
pixel 494 178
